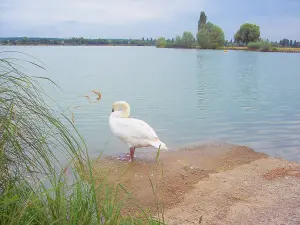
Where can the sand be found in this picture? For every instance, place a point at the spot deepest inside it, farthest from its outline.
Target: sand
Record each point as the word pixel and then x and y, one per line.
pixel 209 184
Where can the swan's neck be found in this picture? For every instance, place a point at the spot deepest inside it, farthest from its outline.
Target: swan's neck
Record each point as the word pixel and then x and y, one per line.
pixel 125 114
pixel 126 111
pixel 119 114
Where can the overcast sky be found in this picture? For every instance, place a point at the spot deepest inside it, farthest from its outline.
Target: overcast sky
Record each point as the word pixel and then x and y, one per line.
pixel 145 18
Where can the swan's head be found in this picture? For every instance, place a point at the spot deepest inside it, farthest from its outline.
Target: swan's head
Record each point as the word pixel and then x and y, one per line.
pixel 122 108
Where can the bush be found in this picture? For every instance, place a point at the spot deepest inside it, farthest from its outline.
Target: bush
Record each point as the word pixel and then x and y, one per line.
pixel 161 42
pixel 274 49
pixel 214 45
pixel 265 46
pixel 174 45
pixel 253 45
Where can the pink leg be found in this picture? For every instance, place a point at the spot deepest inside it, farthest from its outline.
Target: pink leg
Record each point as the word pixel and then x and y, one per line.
pixel 132 149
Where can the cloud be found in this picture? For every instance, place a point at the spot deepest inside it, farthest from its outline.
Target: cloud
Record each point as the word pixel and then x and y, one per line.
pixel 144 18
pixel 112 12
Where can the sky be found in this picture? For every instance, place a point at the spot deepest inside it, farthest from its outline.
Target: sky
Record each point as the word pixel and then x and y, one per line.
pixel 277 19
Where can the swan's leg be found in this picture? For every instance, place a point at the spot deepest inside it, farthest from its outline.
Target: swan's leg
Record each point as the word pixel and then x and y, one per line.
pixel 127 157
pixel 132 149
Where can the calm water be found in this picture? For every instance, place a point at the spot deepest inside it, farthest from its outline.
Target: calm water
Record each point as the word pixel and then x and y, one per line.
pixel 187 96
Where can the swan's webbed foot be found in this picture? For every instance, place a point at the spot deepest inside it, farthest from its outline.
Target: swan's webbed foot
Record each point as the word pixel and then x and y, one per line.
pixel 124 157
pixel 127 157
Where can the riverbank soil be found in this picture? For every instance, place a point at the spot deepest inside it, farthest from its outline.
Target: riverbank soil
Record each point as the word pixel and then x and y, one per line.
pixel 209 184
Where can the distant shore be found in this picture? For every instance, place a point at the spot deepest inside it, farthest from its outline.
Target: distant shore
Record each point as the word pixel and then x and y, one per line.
pixel 237 48
pixel 226 48
pixel 288 50
pixel 125 45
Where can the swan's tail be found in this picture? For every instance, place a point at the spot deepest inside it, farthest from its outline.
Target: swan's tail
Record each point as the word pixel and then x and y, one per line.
pixel 160 144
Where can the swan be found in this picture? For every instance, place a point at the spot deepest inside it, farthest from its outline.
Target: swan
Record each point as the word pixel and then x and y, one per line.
pixel 136 133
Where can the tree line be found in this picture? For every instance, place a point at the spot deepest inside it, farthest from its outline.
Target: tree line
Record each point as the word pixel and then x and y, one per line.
pixel 77 41
pixel 211 36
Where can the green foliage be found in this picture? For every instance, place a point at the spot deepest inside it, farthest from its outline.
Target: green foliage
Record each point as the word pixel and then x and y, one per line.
pixel 211 36
pixel 161 42
pixel 203 39
pixel 263 46
pixel 188 39
pixel 247 33
pixel 253 45
pixel 274 49
pixel 202 20
pixel 178 41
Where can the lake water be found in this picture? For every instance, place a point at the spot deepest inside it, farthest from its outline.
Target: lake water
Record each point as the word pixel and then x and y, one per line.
pixel 187 96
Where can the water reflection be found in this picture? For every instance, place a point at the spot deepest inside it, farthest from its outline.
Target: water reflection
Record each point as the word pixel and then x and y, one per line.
pixel 247 81
pixel 201 83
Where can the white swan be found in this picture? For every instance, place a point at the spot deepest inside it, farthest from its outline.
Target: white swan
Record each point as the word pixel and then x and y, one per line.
pixel 136 133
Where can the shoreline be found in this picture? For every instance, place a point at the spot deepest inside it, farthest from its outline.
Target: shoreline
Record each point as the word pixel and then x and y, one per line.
pixel 81 45
pixel 279 49
pixel 221 183
pixel 284 50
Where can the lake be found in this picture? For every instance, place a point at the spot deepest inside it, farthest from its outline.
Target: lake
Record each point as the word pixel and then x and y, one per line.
pixel 187 96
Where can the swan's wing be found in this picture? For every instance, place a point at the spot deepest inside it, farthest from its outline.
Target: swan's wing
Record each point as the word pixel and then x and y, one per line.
pixel 134 128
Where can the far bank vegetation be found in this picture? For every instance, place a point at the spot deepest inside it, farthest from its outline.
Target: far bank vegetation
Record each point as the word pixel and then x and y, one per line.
pixel 211 36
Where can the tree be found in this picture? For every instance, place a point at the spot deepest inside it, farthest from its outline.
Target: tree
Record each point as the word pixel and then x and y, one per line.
pixel 25 39
pixel 161 42
pixel 202 20
pixel 247 33
pixel 210 36
pixel 203 39
pixel 285 42
pixel 178 40
pixel 188 39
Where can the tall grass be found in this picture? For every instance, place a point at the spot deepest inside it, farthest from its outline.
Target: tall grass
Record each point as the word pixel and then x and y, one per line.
pixel 35 187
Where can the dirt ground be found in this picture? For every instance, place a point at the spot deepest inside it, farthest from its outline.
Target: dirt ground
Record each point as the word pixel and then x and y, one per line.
pixel 209 184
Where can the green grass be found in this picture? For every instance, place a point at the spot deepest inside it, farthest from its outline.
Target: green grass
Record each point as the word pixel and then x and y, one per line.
pixel 35 187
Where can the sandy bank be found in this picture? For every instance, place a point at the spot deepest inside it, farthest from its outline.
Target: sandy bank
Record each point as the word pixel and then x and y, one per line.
pixel 212 184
